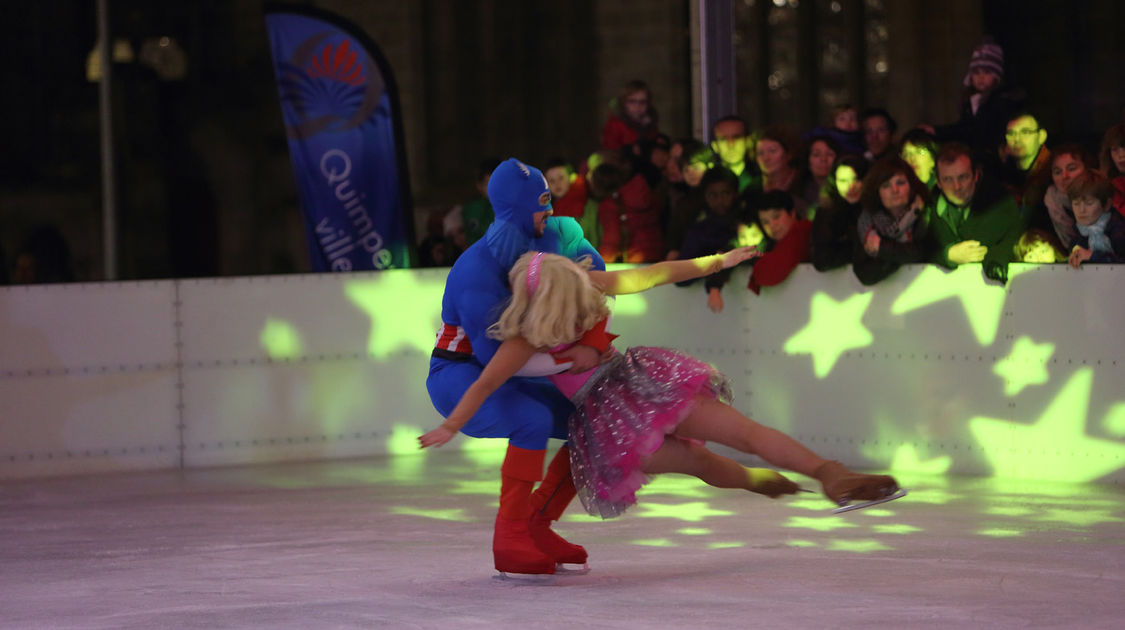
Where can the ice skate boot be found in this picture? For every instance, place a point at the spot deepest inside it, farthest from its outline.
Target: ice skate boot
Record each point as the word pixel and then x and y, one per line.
pixel 548 503
pixel 842 486
pixel 513 549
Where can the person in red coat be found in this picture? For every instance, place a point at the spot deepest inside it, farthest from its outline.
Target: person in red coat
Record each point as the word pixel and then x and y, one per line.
pixel 632 118
pixel 629 215
pixel 787 239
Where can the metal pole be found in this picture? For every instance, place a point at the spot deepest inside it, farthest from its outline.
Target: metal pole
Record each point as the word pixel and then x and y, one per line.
pixel 716 62
pixel 105 115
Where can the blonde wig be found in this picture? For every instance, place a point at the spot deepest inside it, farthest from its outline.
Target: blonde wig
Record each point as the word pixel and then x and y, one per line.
pixel 564 305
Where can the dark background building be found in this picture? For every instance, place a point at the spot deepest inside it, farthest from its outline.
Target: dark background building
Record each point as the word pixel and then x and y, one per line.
pixel 204 182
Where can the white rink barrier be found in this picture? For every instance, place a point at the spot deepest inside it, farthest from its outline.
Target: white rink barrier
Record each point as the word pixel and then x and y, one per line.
pixel 930 371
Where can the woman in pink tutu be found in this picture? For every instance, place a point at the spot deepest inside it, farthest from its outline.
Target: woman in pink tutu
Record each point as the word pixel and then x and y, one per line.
pixel 646 411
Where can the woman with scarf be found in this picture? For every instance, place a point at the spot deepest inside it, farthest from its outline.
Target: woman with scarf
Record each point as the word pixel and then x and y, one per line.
pixel 893 227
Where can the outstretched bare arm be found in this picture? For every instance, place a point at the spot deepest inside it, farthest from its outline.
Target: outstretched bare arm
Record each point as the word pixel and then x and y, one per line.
pixel 643 278
pixel 509 358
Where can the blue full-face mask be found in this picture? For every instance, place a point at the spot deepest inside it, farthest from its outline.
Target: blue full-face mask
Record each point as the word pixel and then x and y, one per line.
pixel 514 189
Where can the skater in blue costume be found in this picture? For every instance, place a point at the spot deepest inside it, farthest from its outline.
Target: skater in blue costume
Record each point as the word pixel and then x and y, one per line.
pixel 527 409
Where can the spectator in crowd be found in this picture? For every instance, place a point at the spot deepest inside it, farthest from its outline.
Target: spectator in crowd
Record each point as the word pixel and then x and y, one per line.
pixel 453 229
pixel 1025 170
pixel 673 184
pixel 660 152
pixel 833 241
pixel 606 173
pixel 920 149
pixel 893 227
pixel 568 188
pixel 777 152
pixel 672 171
pixel 1039 246
pixel 786 243
pixel 43 257
pixel 695 160
pixel 717 231
pixel 843 130
pixel 820 156
pixel 476 213
pixel 628 213
pixel 649 159
pixel 732 143
pixel 845 118
pixel 973 219
pixel 438 249
pixel 1112 158
pixel 1101 231
pixel 987 105
pixel 632 118
pixel 878 133
pixel 1067 162
pixel 570 197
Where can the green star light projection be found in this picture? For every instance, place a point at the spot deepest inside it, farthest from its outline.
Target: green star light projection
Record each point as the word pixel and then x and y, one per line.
pixel 983 303
pixel 280 340
pixel 833 329
pixel 1055 447
pixel 1025 366
pixel 411 323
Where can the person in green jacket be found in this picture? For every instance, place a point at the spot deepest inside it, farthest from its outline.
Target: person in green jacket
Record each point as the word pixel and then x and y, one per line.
pixel 476 213
pixel 974 219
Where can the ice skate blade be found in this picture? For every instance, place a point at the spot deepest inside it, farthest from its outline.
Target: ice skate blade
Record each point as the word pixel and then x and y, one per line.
pixel 898 494
pixel 525 579
pixel 572 569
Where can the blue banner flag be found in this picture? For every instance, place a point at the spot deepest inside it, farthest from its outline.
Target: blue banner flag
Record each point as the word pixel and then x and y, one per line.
pixel 342 119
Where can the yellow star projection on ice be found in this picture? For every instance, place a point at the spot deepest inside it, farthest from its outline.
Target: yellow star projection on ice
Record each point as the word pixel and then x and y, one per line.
pixel 983 303
pixel 833 329
pixel 404 308
pixel 998 532
pixel 488 488
pixel 825 524
pixel 453 514
pixel 1025 365
pixel 679 486
pixel 692 512
pixel 484 452
pixel 858 546
pixel 1083 517
pixel 1056 447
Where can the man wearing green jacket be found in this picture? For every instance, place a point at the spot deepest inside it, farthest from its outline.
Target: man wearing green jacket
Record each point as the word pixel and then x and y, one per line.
pixel 974 219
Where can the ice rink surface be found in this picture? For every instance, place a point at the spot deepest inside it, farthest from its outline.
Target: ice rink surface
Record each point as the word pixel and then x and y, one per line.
pixel 404 542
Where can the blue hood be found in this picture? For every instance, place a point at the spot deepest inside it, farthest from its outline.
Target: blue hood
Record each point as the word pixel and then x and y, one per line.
pixel 514 189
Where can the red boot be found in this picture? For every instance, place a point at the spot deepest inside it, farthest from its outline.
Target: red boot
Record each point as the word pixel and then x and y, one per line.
pixel 513 548
pixel 549 501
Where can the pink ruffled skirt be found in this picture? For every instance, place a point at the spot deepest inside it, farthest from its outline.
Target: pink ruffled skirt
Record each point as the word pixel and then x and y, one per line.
pixel 623 413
